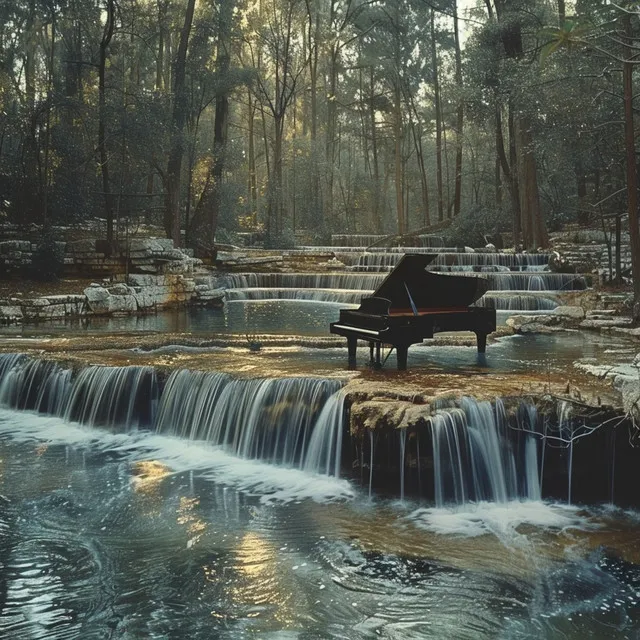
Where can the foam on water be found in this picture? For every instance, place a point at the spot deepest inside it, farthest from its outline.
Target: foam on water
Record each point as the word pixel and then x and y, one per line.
pixel 500 519
pixel 272 483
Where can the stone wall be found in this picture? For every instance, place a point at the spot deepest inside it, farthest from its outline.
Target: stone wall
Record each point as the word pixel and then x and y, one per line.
pixel 149 276
pixel 88 257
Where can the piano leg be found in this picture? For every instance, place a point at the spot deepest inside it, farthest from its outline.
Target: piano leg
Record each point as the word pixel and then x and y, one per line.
pixel 378 363
pixel 371 361
pixel 401 354
pixel 482 342
pixel 352 343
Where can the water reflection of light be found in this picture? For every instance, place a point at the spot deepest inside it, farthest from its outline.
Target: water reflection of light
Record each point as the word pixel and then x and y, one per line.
pixel 262 580
pixel 148 475
pixel 188 517
pixel 41 449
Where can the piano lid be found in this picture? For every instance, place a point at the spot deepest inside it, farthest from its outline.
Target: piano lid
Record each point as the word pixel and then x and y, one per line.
pixel 410 286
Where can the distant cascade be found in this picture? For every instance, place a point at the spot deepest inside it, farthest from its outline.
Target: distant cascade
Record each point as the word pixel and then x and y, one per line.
pixel 343 296
pixel 517 302
pixel 512 281
pixel 460 262
pixel 473 459
pixel 297 422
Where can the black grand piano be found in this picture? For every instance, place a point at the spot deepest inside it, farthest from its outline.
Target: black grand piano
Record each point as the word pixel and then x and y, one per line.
pixel 412 304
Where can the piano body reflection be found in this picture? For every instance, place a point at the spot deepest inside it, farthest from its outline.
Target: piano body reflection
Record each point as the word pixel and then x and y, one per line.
pixel 412 304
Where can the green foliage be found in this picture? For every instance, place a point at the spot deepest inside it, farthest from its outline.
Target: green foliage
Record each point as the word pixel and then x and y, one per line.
pixel 47 262
pixel 474 223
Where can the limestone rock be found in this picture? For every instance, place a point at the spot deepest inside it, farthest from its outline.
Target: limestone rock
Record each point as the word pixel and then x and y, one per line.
pixel 605 323
pixel 122 304
pixel 97 299
pixel 119 289
pixel 10 313
pixel 573 313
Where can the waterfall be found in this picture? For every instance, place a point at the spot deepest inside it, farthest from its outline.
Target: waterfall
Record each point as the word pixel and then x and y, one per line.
pixel 517 302
pixel 97 396
pixel 296 422
pixel 456 261
pixel 271 419
pixel 113 396
pixel 341 296
pixel 512 281
pixel 473 459
pixel 325 446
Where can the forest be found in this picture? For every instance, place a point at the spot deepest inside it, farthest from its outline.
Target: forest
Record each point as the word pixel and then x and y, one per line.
pixel 302 118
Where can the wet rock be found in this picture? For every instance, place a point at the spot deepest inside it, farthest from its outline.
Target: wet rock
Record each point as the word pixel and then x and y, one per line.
pixel 543 323
pixel 397 414
pixel 97 299
pixel 122 304
pixel 119 289
pixel 605 323
pixel 572 313
pixel 10 314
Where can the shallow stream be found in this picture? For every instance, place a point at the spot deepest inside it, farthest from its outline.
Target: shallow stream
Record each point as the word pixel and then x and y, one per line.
pixel 139 535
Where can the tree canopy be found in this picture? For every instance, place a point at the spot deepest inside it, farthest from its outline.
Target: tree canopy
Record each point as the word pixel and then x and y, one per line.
pixel 312 117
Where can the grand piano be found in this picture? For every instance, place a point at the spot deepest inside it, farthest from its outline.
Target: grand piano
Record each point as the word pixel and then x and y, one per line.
pixel 412 304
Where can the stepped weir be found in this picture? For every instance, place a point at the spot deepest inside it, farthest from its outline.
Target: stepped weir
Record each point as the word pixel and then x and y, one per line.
pixel 468 451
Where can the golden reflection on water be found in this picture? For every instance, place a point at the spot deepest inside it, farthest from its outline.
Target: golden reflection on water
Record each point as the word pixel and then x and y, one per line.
pixel 146 481
pixel 148 475
pixel 41 449
pixel 262 580
pixel 188 517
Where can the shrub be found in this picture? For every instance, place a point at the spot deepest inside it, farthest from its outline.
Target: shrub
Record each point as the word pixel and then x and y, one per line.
pixel 47 261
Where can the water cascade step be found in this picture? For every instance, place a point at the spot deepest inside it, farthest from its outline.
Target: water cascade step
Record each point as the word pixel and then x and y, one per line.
pixel 512 281
pixel 473 459
pixel 457 261
pixel 296 422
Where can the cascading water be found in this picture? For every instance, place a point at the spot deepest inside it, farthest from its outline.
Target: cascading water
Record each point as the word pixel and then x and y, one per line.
pixel 297 422
pixel 368 281
pixel 473 459
pixel 290 421
pixel 452 261
pixel 341 296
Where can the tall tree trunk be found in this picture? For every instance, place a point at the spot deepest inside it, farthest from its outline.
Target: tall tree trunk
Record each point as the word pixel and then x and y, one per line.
pixel 631 168
pixel 436 91
pixel 457 197
pixel 253 183
pixel 397 122
pixel 424 184
pixel 47 138
pixel 514 182
pixel 162 28
pixel 377 218
pixel 581 187
pixel 562 13
pixel 174 164
pixel 30 56
pixel 533 226
pixel 221 125
pixel 330 150
pixel 107 34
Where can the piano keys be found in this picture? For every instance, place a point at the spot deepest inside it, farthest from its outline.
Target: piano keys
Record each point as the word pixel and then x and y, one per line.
pixel 412 304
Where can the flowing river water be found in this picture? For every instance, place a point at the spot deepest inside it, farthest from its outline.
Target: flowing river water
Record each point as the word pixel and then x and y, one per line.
pixel 209 506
